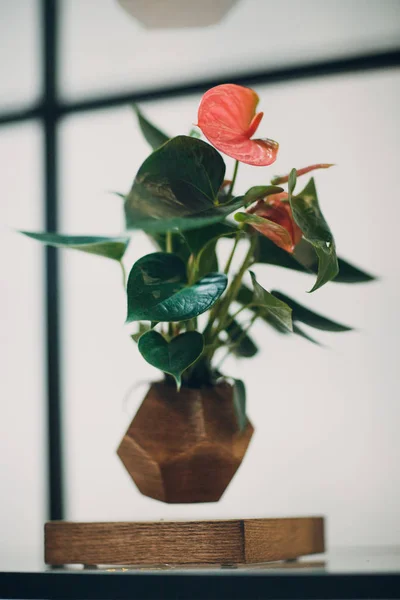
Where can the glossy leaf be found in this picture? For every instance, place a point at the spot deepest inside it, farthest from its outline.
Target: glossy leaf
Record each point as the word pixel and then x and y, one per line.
pixel 308 317
pixel 172 357
pixel 180 179
pixel 109 247
pixel 243 346
pixel 245 297
pixel 239 403
pixel 308 216
pixel 151 133
pixel 272 306
pixel 214 215
pixel 158 290
pixel 227 117
pixel 348 273
pixel 305 260
pixel 261 191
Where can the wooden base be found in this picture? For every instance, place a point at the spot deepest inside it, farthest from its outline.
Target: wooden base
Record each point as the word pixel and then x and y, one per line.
pixel 246 541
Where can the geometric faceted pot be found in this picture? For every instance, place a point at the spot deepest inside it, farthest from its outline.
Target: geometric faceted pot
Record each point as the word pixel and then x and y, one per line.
pixel 186 446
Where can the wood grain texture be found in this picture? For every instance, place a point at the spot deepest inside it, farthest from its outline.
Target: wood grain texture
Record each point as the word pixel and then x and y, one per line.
pixel 187 542
pixel 185 447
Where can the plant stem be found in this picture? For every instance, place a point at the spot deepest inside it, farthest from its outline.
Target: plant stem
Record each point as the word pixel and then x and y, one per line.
pixel 168 242
pixel 237 342
pixel 235 172
pixel 221 310
pixel 123 274
pixel 236 283
pixel 228 264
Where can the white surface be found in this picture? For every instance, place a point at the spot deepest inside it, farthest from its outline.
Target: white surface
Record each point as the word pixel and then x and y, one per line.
pixel 326 421
pixel 104 50
pixel 20 53
pixel 22 432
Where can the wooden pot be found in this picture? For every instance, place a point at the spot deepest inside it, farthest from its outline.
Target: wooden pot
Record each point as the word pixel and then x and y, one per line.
pixel 186 446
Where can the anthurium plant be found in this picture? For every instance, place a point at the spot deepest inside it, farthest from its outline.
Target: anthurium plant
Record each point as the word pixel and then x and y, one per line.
pixel 190 310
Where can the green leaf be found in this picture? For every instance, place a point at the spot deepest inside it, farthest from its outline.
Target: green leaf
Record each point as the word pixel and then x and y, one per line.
pixel 196 221
pixel 180 179
pixel 270 254
pixel 172 357
pixel 203 243
pixel 261 191
pixel 292 181
pixel 272 306
pixel 348 273
pixel 308 215
pixel 307 316
pixel 198 238
pixel 110 247
pixel 298 331
pixel 305 260
pixel 245 297
pixel 152 134
pixel 246 348
pixel 239 403
pixel 158 291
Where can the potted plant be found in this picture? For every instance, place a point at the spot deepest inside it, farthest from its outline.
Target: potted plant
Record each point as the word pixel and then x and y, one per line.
pixel 191 432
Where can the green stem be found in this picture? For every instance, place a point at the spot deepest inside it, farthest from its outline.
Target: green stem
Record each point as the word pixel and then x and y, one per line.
pixel 123 274
pixel 228 264
pixel 221 309
pixel 235 172
pixel 236 283
pixel 168 242
pixel 237 342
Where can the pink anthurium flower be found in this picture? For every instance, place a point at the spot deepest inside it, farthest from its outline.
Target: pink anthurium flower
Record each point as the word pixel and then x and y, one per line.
pixel 227 117
pixel 285 178
pixel 279 225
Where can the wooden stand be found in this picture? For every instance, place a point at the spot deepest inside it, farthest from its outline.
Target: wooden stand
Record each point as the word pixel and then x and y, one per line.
pixel 231 542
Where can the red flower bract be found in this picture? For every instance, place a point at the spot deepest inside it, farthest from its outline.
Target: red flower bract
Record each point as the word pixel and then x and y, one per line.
pixel 227 117
pixel 279 226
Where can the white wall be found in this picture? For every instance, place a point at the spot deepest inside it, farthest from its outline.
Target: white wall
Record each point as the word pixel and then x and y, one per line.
pixel 326 419
pixel 22 377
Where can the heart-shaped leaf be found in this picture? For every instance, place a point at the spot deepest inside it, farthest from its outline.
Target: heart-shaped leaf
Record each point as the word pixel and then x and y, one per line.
pixel 308 216
pixel 158 290
pixel 110 247
pixel 152 134
pixel 180 179
pixel 172 357
pixel 273 307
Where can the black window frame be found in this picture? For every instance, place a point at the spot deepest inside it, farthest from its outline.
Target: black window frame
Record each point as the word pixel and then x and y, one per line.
pixel 48 112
